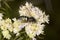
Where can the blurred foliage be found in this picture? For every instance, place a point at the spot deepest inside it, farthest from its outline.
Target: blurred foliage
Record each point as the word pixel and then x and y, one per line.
pixel 7 10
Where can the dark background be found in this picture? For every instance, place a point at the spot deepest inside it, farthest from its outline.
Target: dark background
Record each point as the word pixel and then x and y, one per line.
pixel 51 7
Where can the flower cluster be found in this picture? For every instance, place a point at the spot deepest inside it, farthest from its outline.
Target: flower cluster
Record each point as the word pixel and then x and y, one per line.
pixel 31 28
pixel 6 26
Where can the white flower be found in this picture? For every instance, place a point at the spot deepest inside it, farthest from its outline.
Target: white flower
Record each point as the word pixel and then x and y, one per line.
pixel 29 30
pixel 6 34
pixel 40 29
pixel 6 24
pixel 1 21
pixel 25 10
pixel 14 19
pixel 46 18
pixel 17 34
pixel 1 15
pixel 33 29
pixel 18 25
pixel 31 11
pixel 23 25
pixel 16 30
pixel 33 38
